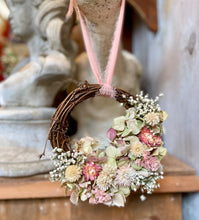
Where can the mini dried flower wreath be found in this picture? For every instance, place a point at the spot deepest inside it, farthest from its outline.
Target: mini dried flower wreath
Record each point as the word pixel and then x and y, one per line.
pixel 130 162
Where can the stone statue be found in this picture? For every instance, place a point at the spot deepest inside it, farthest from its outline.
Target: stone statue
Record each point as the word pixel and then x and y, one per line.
pixel 95 116
pixel 36 80
pixel 27 95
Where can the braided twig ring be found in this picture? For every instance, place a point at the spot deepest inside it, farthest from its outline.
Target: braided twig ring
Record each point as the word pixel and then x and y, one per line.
pixel 59 125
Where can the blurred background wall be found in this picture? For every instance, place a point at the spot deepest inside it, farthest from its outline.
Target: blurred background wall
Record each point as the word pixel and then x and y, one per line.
pixel 170 60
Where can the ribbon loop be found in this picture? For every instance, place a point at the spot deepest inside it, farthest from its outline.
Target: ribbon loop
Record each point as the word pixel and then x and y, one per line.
pixel 106 89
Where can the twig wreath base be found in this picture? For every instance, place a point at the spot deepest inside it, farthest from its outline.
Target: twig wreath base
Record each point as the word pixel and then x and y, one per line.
pixel 130 162
pixel 59 126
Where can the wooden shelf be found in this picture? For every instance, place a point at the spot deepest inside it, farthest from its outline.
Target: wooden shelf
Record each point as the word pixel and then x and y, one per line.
pixel 179 178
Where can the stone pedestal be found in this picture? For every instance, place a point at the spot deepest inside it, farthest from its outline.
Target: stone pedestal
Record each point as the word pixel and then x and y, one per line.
pixel 23 132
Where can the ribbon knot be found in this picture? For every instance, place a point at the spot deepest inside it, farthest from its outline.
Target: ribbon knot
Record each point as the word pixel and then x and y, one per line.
pixel 107 90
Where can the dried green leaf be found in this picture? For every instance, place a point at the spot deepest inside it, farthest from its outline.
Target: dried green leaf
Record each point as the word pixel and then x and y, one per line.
pixel 118 200
pixel 133 126
pixel 125 190
pixel 113 152
pixel 119 123
pixel 163 115
pixel 102 154
pixel 131 139
pixel 74 197
pixel 136 167
pixel 126 132
pixel 140 124
pixel 122 162
pixel 132 157
pixel 83 196
pixel 70 186
pixel 112 161
pixel 162 152
pixel 131 113
pixel 157 129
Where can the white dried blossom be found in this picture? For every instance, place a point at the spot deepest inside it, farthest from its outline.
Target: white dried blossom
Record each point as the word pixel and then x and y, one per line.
pixel 63 160
pixel 105 179
pixel 152 118
pixel 125 176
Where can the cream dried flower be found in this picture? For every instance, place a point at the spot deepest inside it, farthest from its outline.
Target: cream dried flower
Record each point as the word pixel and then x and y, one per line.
pixel 86 144
pixel 152 118
pixel 137 148
pixel 125 176
pixel 105 179
pixel 73 173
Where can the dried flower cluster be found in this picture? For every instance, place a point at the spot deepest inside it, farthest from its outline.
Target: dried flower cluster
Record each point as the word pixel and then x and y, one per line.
pixel 130 162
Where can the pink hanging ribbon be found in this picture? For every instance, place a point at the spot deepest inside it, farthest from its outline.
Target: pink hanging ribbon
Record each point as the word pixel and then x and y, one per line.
pixel 106 88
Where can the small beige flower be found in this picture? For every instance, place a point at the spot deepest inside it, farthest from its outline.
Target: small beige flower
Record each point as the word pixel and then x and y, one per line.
pixel 73 173
pixel 152 118
pixel 86 145
pixel 137 148
pixel 125 176
pixel 105 179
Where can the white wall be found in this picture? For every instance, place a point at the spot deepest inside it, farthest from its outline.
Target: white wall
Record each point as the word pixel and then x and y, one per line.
pixel 170 62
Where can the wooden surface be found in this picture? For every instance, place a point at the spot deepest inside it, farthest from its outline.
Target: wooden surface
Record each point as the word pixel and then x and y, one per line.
pixel 156 207
pixel 147 9
pixel 179 177
pixel 35 198
pixel 175 167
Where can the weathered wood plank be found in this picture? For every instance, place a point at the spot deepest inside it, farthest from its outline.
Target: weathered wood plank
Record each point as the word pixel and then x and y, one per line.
pixel 147 9
pixel 175 167
pixel 38 209
pixel 179 184
pixel 156 207
pixel 46 189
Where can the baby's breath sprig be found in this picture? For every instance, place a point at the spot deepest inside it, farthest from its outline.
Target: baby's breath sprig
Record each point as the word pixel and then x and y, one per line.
pixel 150 184
pixel 144 105
pixel 63 160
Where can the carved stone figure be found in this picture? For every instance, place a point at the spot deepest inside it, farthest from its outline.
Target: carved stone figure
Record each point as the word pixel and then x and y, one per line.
pixel 27 95
pixel 37 79
pixel 95 116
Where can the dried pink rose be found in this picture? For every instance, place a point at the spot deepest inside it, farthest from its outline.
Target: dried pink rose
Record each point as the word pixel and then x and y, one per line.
pixel 111 134
pixel 146 154
pixel 152 163
pixel 157 140
pixel 149 162
pixel 147 137
pixel 91 171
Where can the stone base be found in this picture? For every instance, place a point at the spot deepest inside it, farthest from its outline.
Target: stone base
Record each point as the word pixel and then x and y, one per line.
pixel 23 132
